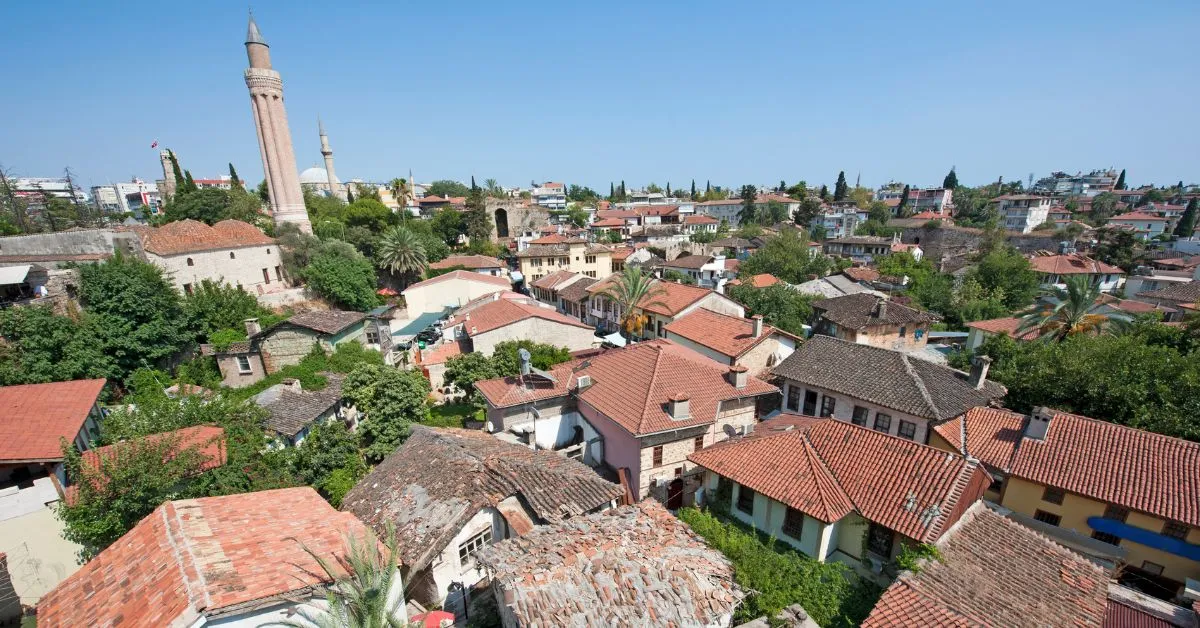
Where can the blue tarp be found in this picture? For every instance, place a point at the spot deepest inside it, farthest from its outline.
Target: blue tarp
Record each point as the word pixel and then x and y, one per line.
pixel 414 326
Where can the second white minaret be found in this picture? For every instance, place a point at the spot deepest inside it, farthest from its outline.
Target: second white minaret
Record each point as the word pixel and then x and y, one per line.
pixel 335 188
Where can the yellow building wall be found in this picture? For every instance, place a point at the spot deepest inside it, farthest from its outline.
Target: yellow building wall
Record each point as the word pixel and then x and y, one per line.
pixel 1026 498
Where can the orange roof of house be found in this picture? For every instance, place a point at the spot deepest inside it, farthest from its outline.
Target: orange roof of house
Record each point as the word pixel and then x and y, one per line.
pixel 444 352
pixel 672 299
pixel 828 468
pixel 1136 216
pixel 619 253
pixel 549 282
pixel 928 215
pixel 557 238
pixel 473 262
pixel 861 273
pixel 700 219
pixel 192 236
pixel 727 335
pixel 1007 326
pixel 992 435
pixel 762 280
pixel 504 312
pixel 1074 264
pixel 35 417
pixel 468 275
pixel 606 223
pixel 207 440
pixel 631 386
pixel 194 558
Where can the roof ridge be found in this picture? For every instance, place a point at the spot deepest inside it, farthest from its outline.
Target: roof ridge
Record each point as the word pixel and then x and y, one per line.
pixel 920 383
pixel 965 471
pixel 658 355
pixel 182 560
pixel 812 447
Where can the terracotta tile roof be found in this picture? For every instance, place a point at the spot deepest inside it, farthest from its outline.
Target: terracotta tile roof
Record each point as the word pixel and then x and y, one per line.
pixel 735 243
pixel 1135 215
pixel 632 566
pixel 888 378
pixel 467 275
pixel 928 215
pixel 604 214
pixel 576 291
pixel 195 558
pixel 1181 293
pixel 324 321
pixel 207 440
pixel 191 236
pixel 1007 326
pixel 861 273
pixel 505 312
pixel 1075 264
pixel 473 262
pixel 1019 197
pixel 631 386
pixel 763 280
pixel 991 435
pixel 444 352
pixel 290 411
pixel 728 335
pixel 553 279
pixel 607 223
pixel 700 219
pixel 1118 615
pixel 732 264
pixel 34 417
pixel 440 478
pixel 828 468
pixel 557 238
pixel 1143 471
pixel 996 572
pixel 674 298
pixel 1133 307
pixel 863 310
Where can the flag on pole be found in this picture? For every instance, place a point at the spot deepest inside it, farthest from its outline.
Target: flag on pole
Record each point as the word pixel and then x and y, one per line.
pixel 154 144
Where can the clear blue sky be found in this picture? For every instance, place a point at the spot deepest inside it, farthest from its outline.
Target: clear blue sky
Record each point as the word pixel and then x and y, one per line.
pixel 593 92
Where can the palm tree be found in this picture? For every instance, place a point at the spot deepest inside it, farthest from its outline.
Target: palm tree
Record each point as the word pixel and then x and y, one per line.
pixel 1070 312
pixel 633 291
pixel 364 591
pixel 400 251
pixel 399 189
pixel 492 187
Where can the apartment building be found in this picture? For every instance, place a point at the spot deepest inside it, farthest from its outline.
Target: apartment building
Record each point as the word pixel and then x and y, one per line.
pixel 1023 212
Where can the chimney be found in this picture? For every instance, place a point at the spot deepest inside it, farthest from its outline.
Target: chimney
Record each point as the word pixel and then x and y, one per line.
pixel 1039 423
pixel 737 376
pixel 979 370
pixel 292 384
pixel 882 309
pixel 252 326
pixel 495 296
pixel 678 407
pixel 757 319
pixel 467 316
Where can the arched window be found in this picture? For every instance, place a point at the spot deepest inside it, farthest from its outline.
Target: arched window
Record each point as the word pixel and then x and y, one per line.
pixel 190 262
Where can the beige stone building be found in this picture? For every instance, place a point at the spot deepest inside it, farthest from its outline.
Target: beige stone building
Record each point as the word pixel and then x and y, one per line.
pixel 553 253
pixel 870 320
pixel 230 252
pixel 518 319
pixel 286 343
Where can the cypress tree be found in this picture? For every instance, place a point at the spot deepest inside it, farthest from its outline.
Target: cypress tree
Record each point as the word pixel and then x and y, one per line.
pixel 782 186
pixel 707 188
pixel 611 191
pixel 1187 222
pixel 189 184
pixel 900 209
pixel 1120 181
pixel 234 182
pixel 693 189
pixel 668 188
pixel 840 188
pixel 472 182
pixel 349 195
pixel 951 180
pixel 824 192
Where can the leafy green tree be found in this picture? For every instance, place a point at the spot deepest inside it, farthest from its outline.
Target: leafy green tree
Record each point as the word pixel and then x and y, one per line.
pixel 1069 312
pixel 1187 222
pixel 579 194
pixel 951 180
pixel 210 206
pixel 138 314
pixel 369 213
pixel 702 237
pixel 1155 196
pixel 787 257
pixel 1104 206
pixel 362 579
pixel 872 227
pixel 775 213
pixel 448 225
pixel 392 400
pixel 328 449
pixel 1120 181
pixel 180 187
pixel 1119 248
pixel 862 197
pixel 879 212
pixel 464 370
pixel 808 211
pixel 189 184
pixel 749 213
pixel 41 346
pixel 401 252
pixel 841 188
pixel 399 189
pixel 673 275
pixel 213 306
pixel 507 361
pixel 339 273
pixel 778 304
pixel 824 194
pixel 446 188
pixel 1006 269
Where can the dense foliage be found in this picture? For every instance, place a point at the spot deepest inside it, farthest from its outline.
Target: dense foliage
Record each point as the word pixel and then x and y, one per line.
pixel 41 346
pixel 342 275
pixel 787 257
pixel 392 400
pixel 778 304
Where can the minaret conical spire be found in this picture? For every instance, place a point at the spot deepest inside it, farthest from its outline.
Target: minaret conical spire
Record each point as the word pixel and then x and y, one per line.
pixel 253 35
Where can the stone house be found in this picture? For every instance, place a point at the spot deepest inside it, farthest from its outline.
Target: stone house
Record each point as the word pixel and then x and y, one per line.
pixel 888 391
pixel 672 301
pixel 266 351
pixel 640 410
pixel 871 320
pixel 837 491
pixel 451 493
pixel 732 340
pixel 292 411
pixel 450 290
pixel 507 319
pixel 864 248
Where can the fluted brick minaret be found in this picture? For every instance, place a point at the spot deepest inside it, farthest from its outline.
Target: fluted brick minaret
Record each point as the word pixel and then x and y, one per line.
pixel 274 138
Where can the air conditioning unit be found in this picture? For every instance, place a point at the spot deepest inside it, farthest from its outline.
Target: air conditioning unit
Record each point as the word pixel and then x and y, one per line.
pixel 583 382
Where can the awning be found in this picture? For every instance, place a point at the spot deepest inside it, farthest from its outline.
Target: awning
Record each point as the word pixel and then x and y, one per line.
pixel 10 275
pixel 615 339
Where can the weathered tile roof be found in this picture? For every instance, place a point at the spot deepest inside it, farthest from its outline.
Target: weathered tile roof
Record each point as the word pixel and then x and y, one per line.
pixel 1074 264
pixel 861 273
pixel 700 219
pixel 862 310
pixel 468 275
pixel 991 434
pixel 326 321
pixel 763 280
pixel 670 298
pixel 632 566
pixel 440 478
pixel 828 468
pixel 1181 292
pixel 34 417
pixel 553 279
pixel 207 440
pixel 445 351
pixel 234 348
pixel 996 572
pixel 503 312
pixel 631 386
pixel 191 236
pixel 1112 463
pixel 196 558
pixel 728 335
pixel 577 290
pixel 290 411
pixel 889 378
pixel 1007 326
pixel 690 262
pixel 468 261
pixel 557 238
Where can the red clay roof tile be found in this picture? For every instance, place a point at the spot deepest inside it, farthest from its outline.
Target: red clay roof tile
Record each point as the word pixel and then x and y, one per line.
pixel 35 417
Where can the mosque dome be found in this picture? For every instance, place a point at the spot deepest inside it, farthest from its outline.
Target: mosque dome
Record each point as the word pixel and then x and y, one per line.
pixel 315 176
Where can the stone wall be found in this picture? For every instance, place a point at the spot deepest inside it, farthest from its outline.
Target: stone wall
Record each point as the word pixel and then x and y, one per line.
pixel 520 217
pixel 285 347
pixel 78 242
pixel 949 242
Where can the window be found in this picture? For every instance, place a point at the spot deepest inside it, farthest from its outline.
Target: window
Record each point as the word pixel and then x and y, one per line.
pixel 745 500
pixel 190 262
pixel 1175 530
pixel 232 256
pixel 793 523
pixel 908 430
pixel 860 416
pixel 472 545
pixel 1105 537
pixel 268 251
pixel 1153 569
pixel 590 259
pixel 1052 495
pixel 1116 513
pixel 243 363
pixel 372 337
pixel 879 540
pixel 828 404
pixel 278 273
pixel 266 276
pixel 658 451
pixel 883 422
pixel 698 443
pixel 810 402
pixel 658 327
pixel 1047 517
pixel 590 273
pixel 187 288
pixel 903 331
pixel 793 398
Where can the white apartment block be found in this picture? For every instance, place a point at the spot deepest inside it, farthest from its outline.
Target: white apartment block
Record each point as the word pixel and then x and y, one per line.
pixel 1023 212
